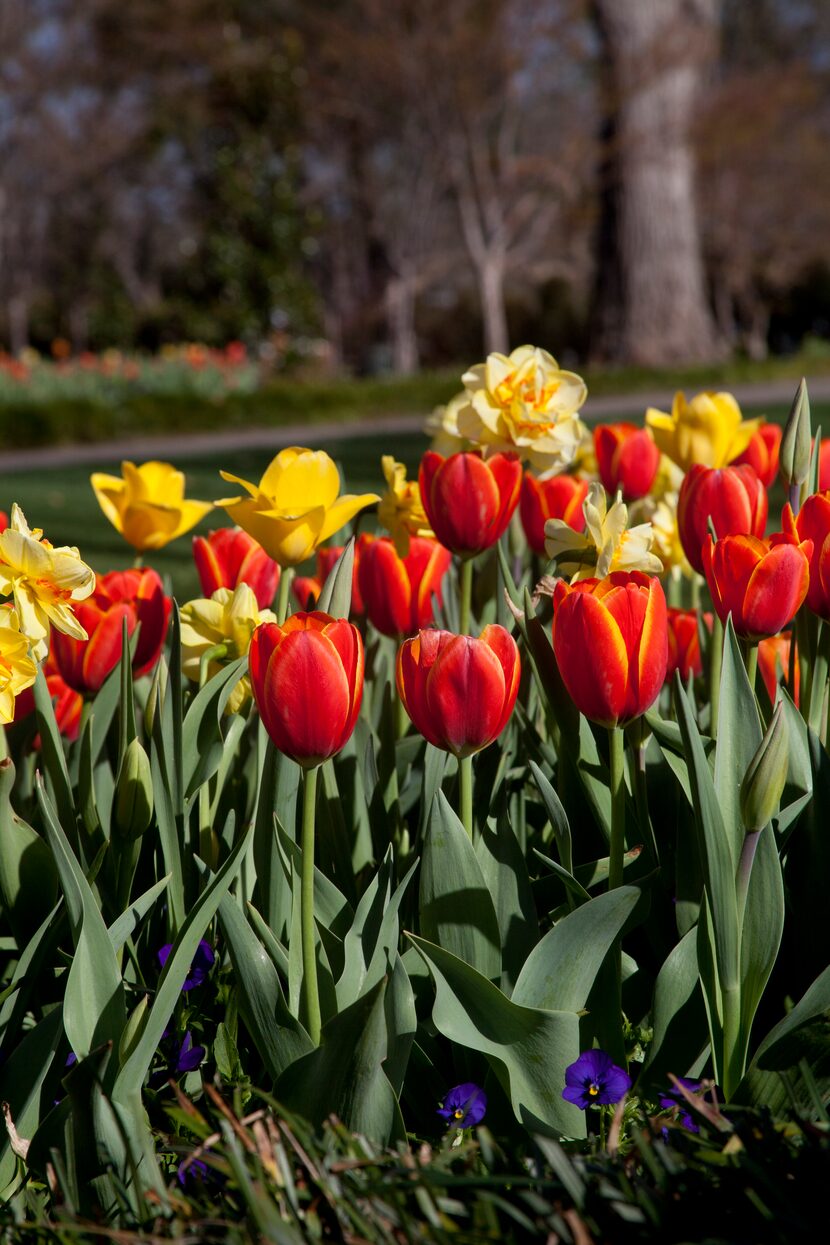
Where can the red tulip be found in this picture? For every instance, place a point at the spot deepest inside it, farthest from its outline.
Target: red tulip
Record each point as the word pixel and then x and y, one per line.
pixel 812 524
pixel 398 591
pixel 4 520
pixel 761 583
pixel 459 692
pixel 824 465
pixel 308 587
pixel 610 639
pixel 762 453
pixel 684 643
pixel 307 680
pixel 559 497
pixel 469 500
pixel 229 557
pixel 627 457
pixel 68 704
pixel 733 497
pixel 136 595
pixel 774 657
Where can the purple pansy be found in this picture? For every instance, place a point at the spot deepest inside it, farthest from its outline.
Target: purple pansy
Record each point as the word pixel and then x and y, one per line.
pixel 193 1171
pixel 674 1098
pixel 189 1056
pixel 464 1105
pixel 199 969
pixel 595 1079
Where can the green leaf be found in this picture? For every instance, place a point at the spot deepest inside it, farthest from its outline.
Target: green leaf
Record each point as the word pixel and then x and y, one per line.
pixel 165 817
pixel 53 757
pixel 124 926
pixel 202 742
pixel 456 907
pixel 28 880
pixel 371 944
pixel 557 816
pixel 401 1023
pixel 504 871
pixel 739 738
pixel 678 1018
pixel 528 1049
pixel 336 596
pixel 21 1085
pixel 780 1048
pixel 278 787
pixel 763 928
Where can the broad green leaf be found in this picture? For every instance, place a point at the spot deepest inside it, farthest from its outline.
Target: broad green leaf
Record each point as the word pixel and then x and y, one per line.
pixel 21 1085
pixel 372 942
pixel 799 788
pixel 527 1048
pixel 401 1023
pixel 557 816
pixel 202 741
pixel 165 818
pixel 124 926
pixel 679 1021
pixel 763 927
pixel 27 973
pixel 28 881
pixel 336 595
pixel 739 737
pixel 780 1046
pixel 53 758
pixel 504 871
pixel 278 788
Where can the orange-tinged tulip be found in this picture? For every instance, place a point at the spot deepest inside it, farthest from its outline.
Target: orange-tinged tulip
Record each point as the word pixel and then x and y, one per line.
pixel 459 691
pixel 611 644
pixel 398 592
pixel 732 497
pixel 228 557
pixel 813 524
pixel 760 583
pixel 762 453
pixel 469 500
pixel 684 643
pixel 68 704
pixel 628 459
pixel 307 679
pixel 774 660
pixel 558 497
pixel 824 465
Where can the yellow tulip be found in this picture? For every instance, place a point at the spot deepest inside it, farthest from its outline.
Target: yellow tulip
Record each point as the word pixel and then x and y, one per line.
pixel 17 669
pixel 295 506
pixel 607 544
pixel 401 510
pixel 227 618
pixel 526 403
pixel 146 504
pixel 44 582
pixel 708 430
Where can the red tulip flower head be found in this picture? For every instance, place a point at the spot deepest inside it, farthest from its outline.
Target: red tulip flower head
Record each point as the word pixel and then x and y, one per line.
pixel 229 557
pixel 628 459
pixel 732 497
pixel 398 592
pixel 558 497
pixel 824 465
pixel 762 453
pixel 611 644
pixel 684 643
pixel 469 500
pixel 813 524
pixel 136 595
pixel 774 658
pixel 760 583
pixel 458 691
pixel 68 704
pixel 307 680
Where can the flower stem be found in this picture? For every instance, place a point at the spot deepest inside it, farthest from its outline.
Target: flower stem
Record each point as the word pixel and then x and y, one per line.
pixel 751 662
pixel 465 793
pixel 715 666
pixel 465 593
pixel 310 992
pixel 616 739
pixel 284 593
pixel 208 846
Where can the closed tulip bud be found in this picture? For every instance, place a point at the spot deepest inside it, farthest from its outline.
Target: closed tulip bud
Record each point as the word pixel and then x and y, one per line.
pixel 764 781
pixel 762 453
pixel 398 592
pixel 228 557
pixel 611 645
pixel 134 793
pixel 469 500
pixel 794 457
pixel 733 498
pixel 459 691
pixel 558 497
pixel 760 583
pixel 628 459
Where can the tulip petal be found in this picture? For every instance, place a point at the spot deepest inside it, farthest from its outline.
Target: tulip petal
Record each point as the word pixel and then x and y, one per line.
pixel 307 696
pixel 592 657
pixel 775 591
pixel 465 693
pixel 298 480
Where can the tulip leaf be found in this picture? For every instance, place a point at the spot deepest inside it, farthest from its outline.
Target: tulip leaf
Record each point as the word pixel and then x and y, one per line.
pixel 763 927
pixel 527 1048
pixel 21 1085
pixel 28 970
pixel 370 946
pixel 557 816
pixel 202 742
pixel 678 1017
pixel 278 786
pixel 28 881
pixel 336 595
pixel 798 789
pixel 780 1047
pixel 103 710
pixel 456 906
pixel 165 818
pixel 504 871
pixel 401 1023
pixel 560 971
pixel 54 759
pixel 739 737
pixel 124 926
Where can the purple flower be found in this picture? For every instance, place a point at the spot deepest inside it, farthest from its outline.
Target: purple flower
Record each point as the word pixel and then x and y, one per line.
pixel 189 1056
pixel 199 969
pixel 674 1098
pixel 193 1171
pixel 464 1105
pixel 594 1078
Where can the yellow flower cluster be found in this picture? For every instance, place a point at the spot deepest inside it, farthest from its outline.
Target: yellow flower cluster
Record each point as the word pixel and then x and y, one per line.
pixel 221 626
pixel 607 544
pixel 401 510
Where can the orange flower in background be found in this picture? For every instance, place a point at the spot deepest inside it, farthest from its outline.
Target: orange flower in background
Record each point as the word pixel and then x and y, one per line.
pixel 628 459
pixel 228 557
pixel 459 691
pixel 684 643
pixel 813 525
pixel 774 661
pixel 558 497
pixel 732 497
pixel 307 680
pixel 68 704
pixel 469 500
pixel 610 640
pixel 824 465
pixel 762 453
pixel 398 592
pixel 308 587
pixel 760 583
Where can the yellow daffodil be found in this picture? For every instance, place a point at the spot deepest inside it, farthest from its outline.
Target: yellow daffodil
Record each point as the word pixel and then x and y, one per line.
pixel 659 508
pixel 442 427
pixel 146 504
pixel 17 669
pixel 295 506
pixel 227 619
pixel 44 582
pixel 708 430
pixel 526 403
pixel 400 510
pixel 607 544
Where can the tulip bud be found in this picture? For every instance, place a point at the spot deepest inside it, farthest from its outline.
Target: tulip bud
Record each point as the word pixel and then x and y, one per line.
pixel 764 781
pixel 794 457
pixel 134 793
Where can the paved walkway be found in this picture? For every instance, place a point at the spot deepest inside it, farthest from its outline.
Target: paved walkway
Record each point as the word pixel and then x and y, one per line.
pixel 195 445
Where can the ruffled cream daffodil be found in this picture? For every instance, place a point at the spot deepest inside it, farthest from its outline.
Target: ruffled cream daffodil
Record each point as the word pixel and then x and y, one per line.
pixel 526 403
pixel 146 504
pixel 607 544
pixel 17 669
pixel 226 620
pixel 442 427
pixel 296 505
pixel 44 582
pixel 401 510
pixel 708 430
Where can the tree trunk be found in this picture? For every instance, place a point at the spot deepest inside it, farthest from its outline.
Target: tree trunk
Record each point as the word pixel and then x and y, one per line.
pixel 400 316
pixel 493 310
pixel 654 51
pixel 17 311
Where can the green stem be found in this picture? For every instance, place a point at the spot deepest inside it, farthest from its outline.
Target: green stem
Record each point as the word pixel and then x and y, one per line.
pixel 638 738
pixel 310 992
pixel 465 593
pixel 208 846
pixel 732 1061
pixel 751 662
pixel 814 708
pixel 465 793
pixel 284 593
pixel 745 863
pixel 616 739
pixel 715 666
